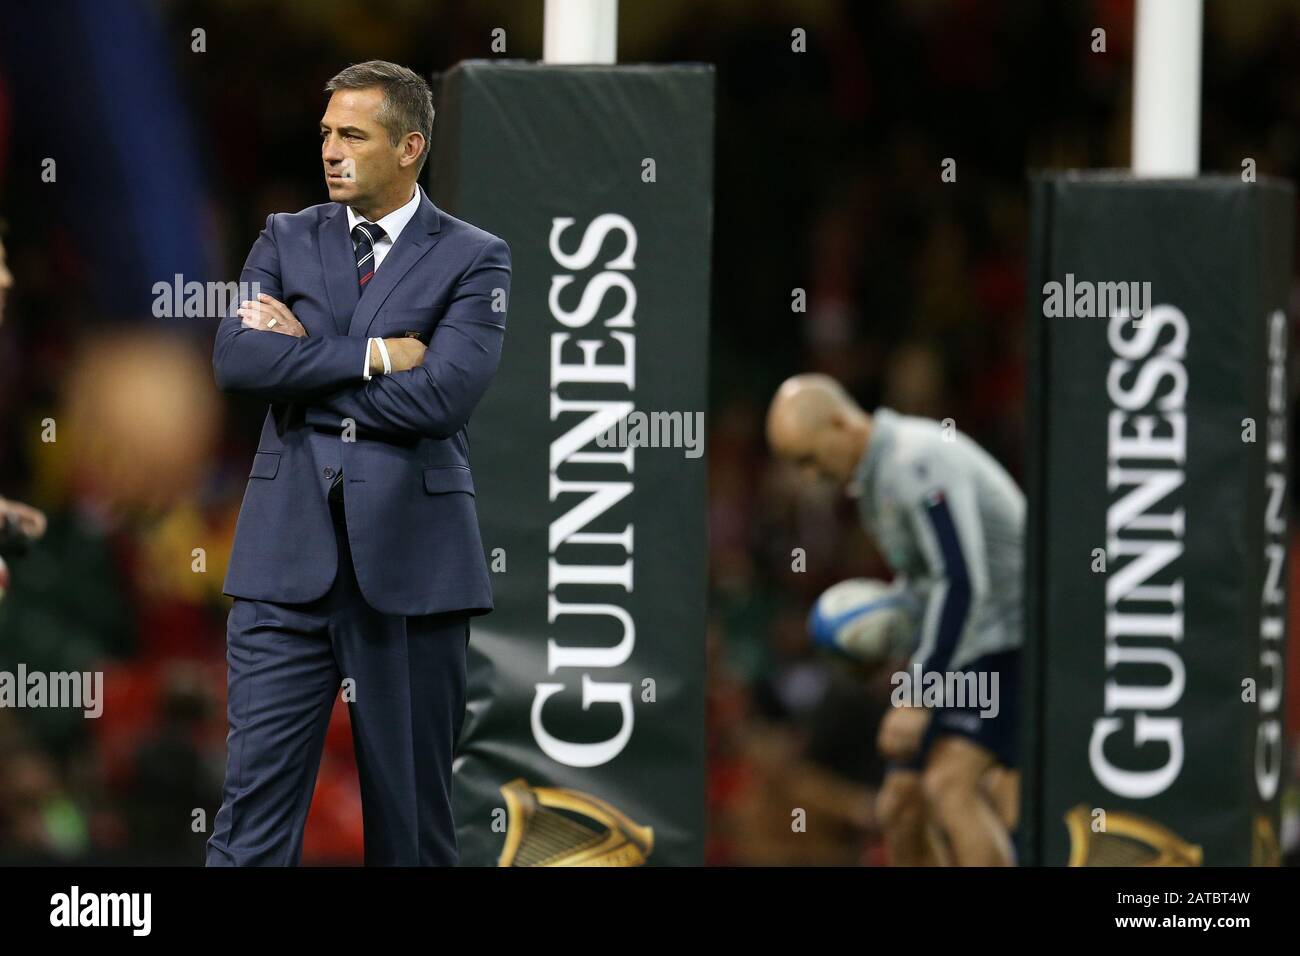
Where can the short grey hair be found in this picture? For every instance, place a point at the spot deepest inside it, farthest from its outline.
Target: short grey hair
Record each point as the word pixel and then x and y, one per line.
pixel 408 101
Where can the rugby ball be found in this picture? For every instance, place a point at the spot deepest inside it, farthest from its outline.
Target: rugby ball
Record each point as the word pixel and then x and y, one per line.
pixel 865 619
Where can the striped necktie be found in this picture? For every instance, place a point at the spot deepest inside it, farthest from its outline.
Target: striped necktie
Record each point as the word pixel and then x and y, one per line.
pixel 364 237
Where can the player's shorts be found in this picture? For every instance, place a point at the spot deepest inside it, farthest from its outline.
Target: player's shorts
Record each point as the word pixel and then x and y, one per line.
pixel 996 733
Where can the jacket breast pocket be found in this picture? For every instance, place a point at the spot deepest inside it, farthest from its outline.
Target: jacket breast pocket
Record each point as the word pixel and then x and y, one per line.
pixel 265 464
pixel 441 479
pixel 395 323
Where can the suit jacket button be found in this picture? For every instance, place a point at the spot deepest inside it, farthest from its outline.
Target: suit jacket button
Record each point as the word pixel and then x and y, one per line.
pixel 329 472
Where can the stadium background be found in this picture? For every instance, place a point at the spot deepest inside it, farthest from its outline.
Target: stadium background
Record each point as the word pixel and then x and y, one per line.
pixel 827 179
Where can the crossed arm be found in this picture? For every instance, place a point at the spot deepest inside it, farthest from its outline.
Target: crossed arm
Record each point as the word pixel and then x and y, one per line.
pixel 279 368
pixel 431 392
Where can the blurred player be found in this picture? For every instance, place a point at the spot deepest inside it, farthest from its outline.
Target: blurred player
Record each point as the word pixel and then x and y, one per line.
pixel 950 521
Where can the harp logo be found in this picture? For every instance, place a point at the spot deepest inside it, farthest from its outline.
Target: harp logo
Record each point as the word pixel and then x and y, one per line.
pixel 555 826
pixel 1128 840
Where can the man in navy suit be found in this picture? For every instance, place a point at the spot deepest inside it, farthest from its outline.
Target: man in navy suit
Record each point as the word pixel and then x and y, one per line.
pixel 357 560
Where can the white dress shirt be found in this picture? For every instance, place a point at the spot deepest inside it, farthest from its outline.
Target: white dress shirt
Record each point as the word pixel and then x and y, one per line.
pixel 392 224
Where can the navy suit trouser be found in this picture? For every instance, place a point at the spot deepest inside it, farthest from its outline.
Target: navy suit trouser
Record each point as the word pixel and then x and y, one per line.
pixel 404 680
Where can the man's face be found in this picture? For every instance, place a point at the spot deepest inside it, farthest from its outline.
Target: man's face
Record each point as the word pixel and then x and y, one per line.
pixel 812 451
pixel 361 165
pixel 6 281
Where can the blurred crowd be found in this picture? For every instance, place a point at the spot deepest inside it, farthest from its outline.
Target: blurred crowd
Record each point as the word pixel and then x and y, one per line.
pixel 828 182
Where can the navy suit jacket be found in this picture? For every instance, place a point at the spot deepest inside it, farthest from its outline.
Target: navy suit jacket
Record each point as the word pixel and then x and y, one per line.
pixel 408 489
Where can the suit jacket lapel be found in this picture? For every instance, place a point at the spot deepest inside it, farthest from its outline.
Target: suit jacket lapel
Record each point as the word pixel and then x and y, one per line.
pixel 339 262
pixel 419 236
